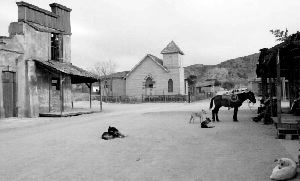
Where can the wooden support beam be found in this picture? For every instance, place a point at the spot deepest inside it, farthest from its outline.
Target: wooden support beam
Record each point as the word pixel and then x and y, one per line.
pixel 264 86
pixel 100 95
pixel 61 93
pixel 50 89
pixel 90 86
pixel 278 92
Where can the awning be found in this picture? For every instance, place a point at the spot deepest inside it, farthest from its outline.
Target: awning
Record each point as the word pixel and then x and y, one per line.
pixel 78 75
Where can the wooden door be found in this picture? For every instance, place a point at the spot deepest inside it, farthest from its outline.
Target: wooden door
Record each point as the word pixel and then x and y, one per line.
pixel 149 86
pixel 9 94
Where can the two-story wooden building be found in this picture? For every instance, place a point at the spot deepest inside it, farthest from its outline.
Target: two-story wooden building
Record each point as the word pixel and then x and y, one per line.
pixel 36 72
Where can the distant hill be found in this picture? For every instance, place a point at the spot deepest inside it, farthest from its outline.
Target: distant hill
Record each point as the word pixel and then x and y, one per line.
pixel 237 70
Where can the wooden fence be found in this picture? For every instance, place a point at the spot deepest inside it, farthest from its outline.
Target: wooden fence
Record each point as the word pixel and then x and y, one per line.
pixel 146 98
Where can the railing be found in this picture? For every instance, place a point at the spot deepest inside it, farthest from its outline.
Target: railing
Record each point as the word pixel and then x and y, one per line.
pixel 164 98
pixel 145 98
pixel 142 98
pixel 115 99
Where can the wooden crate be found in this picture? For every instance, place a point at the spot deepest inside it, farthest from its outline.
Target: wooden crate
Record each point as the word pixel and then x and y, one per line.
pixel 287 133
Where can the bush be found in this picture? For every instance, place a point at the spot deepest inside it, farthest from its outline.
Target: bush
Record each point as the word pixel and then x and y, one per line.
pixel 228 85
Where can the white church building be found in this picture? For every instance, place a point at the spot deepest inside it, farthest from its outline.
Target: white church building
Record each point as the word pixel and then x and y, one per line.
pixel 155 76
pixel 151 76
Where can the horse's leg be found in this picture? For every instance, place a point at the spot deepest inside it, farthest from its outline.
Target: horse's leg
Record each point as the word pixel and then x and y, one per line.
pixel 235 114
pixel 217 112
pixel 213 115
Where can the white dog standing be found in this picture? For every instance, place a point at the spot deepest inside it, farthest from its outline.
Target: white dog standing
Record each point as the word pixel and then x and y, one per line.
pixel 198 114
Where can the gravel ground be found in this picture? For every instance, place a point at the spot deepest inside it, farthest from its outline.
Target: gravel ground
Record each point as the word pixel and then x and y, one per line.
pixel 160 145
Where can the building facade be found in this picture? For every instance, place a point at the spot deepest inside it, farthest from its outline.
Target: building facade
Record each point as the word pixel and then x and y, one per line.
pixel 153 76
pixel 35 62
pixel 112 85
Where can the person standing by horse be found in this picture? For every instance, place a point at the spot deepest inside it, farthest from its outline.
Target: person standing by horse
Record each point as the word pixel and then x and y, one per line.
pixel 224 100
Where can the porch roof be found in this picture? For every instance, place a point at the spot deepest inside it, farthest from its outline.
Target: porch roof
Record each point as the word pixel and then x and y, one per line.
pixel 78 75
pixel 205 84
pixel 289 54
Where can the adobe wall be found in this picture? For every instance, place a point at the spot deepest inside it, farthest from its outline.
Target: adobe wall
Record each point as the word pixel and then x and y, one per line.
pixel 67 48
pixel 38 44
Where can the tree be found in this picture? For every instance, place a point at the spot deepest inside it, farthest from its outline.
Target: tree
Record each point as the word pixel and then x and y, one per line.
pixel 217 83
pixel 103 69
pixel 280 35
pixel 192 79
pixel 228 85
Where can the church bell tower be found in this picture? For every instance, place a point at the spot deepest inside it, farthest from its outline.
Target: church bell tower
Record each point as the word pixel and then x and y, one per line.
pixel 172 60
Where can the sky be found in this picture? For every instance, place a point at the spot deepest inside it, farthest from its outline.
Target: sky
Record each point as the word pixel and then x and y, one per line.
pixel 207 31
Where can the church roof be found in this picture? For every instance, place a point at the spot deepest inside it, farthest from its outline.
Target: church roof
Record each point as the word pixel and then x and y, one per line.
pixel 119 75
pixel 172 48
pixel 155 59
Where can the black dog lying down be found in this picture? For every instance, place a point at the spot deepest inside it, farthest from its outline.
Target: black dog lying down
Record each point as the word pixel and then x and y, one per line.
pixel 204 124
pixel 112 133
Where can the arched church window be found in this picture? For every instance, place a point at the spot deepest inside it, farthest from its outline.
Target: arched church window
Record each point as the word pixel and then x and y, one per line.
pixel 170 85
pixel 149 83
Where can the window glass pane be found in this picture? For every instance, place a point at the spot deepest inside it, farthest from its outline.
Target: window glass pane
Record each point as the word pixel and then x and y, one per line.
pixel 170 85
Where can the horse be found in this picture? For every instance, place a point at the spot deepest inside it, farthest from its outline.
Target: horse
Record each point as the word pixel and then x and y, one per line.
pixel 230 101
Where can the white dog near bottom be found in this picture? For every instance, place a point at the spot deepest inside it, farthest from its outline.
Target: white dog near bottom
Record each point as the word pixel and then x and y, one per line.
pixel 285 169
pixel 198 114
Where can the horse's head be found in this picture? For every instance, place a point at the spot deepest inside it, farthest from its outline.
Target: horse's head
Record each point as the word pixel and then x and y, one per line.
pixel 251 96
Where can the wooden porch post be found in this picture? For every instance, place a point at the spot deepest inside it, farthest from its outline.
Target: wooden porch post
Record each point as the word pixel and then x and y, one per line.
pixel 61 94
pixel 2 111
pixel 278 88
pixel 264 86
pixel 91 95
pixel 50 89
pixel 283 89
pixel 100 94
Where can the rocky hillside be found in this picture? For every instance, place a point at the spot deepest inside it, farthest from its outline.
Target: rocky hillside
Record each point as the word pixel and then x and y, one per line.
pixel 237 70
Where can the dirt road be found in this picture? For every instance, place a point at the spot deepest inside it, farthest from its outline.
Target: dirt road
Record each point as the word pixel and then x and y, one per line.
pixel 160 145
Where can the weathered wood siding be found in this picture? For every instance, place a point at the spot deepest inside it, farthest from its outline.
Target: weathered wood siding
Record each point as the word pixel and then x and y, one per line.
pixel 58 19
pixel 48 95
pixel 118 87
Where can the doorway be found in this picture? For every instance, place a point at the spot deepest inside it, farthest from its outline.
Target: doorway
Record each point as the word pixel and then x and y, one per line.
pixel 9 94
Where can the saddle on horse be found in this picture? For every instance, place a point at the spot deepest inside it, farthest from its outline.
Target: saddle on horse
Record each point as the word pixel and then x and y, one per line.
pixel 230 98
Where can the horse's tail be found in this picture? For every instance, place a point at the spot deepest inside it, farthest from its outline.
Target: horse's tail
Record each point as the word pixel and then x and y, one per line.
pixel 211 102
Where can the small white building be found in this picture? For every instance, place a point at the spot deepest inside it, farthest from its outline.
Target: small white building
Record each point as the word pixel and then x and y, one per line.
pixel 155 76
